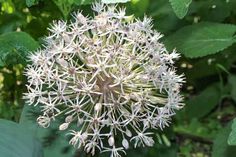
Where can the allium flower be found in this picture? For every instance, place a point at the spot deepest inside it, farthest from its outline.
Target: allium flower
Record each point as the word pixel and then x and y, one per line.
pixel 108 74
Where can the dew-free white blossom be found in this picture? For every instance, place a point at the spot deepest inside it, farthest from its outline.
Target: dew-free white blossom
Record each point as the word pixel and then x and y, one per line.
pixel 110 76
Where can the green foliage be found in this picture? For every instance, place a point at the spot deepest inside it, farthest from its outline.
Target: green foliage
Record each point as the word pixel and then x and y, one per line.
pixel 16 141
pixel 202 39
pixel 194 128
pixel 197 108
pixel 15 47
pixel 157 150
pixel 164 19
pixel 138 7
pixel 232 82
pixel 115 1
pixel 232 135
pixel 65 6
pixel 212 10
pixel 180 7
pixel 221 147
pixel 202 30
pixel 82 2
pixel 30 3
pixel 54 144
pixel 209 64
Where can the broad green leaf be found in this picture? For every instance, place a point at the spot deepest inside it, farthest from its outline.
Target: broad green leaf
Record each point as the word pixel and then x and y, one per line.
pixel 232 82
pixel 221 147
pixel 202 39
pixel 17 141
pixel 55 143
pixel 203 103
pixel 232 135
pixel 30 3
pixel 15 46
pixel 115 1
pixel 180 7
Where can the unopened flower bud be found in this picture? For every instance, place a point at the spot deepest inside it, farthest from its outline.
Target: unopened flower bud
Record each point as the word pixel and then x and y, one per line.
pixel 111 141
pixel 63 126
pixel 125 143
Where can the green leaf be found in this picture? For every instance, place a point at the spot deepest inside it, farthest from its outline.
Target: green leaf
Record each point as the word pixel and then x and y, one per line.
pixel 158 150
pixel 55 143
pixel 164 19
pixel 211 10
pixel 232 82
pixel 10 22
pixel 202 39
pixel 115 1
pixel 203 103
pixel 232 135
pixel 209 64
pixel 64 6
pixel 221 147
pixel 30 3
pixel 180 7
pixel 16 141
pixel 14 48
pixel 83 2
pixel 198 128
pixel 138 7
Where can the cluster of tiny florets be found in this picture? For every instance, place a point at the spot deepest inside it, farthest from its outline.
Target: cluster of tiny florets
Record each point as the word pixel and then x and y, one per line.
pixel 110 76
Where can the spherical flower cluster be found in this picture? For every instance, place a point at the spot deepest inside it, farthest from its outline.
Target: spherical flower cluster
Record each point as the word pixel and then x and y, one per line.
pixel 110 76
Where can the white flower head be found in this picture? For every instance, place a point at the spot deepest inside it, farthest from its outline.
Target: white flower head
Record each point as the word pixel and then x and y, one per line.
pixel 110 75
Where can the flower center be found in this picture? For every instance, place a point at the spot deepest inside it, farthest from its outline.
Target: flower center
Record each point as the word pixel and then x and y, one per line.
pixel 108 89
pixel 104 85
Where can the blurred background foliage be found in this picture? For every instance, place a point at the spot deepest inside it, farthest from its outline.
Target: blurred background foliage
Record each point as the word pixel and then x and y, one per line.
pixel 203 31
